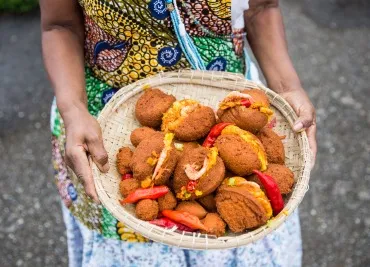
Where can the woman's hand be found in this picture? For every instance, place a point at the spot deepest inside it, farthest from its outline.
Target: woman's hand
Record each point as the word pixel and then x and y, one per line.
pixel 83 138
pixel 302 105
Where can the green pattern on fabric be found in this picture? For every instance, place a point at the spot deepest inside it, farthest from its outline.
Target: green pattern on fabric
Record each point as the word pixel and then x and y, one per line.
pixel 56 122
pixel 211 48
pixel 109 225
pixel 94 91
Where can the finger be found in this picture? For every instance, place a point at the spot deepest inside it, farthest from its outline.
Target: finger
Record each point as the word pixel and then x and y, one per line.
pixel 305 120
pixel 98 152
pixel 311 134
pixel 78 161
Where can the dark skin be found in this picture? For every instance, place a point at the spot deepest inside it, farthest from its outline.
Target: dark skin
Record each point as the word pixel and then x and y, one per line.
pixel 62 28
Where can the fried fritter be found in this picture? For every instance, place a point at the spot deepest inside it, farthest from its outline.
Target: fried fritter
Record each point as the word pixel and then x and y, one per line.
pixel 151 106
pixel 128 186
pixel 147 209
pixel 124 156
pixel 167 202
pixel 282 175
pixel 214 224
pixel 274 148
pixel 140 134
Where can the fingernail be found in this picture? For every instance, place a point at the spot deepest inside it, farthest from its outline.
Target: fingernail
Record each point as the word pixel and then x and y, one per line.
pixel 298 126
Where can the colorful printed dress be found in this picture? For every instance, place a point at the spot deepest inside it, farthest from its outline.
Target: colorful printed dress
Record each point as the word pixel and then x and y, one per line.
pixel 127 40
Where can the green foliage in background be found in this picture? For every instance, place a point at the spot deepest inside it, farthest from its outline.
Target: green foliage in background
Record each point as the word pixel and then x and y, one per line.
pixel 17 6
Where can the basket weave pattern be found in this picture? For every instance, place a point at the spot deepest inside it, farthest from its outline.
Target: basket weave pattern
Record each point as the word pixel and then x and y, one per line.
pixel 117 121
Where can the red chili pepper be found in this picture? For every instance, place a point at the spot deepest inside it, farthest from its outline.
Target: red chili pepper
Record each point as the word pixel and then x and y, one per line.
pixel 168 223
pixel 190 187
pixel 127 176
pixel 272 191
pixel 146 193
pixel 246 102
pixel 185 218
pixel 214 133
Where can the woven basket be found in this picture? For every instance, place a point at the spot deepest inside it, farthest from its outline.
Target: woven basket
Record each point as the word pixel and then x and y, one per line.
pixel 117 120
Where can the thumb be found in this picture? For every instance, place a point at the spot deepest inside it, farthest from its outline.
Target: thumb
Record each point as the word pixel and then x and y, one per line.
pixel 305 120
pixel 98 153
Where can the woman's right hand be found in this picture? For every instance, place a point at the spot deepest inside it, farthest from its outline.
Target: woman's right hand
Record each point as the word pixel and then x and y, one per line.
pixel 84 138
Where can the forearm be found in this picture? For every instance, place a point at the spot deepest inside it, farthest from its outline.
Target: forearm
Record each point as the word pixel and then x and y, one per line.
pixel 266 36
pixel 63 52
pixel 64 61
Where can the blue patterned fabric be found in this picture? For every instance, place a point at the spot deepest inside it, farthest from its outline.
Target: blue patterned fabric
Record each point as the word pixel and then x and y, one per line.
pixel 90 249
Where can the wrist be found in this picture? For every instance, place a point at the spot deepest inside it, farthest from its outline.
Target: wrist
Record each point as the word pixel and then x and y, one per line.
pixel 70 111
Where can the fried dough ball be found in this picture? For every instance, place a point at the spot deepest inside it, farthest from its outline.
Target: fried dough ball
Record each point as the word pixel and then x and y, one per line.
pixel 238 155
pixel 243 207
pixel 214 224
pixel 193 208
pixel 249 119
pixel 196 125
pixel 206 184
pixel 147 209
pixel 124 156
pixel 167 202
pixel 142 168
pixel 282 175
pixel 208 202
pixel 128 186
pixel 151 106
pixel 140 134
pixel 274 148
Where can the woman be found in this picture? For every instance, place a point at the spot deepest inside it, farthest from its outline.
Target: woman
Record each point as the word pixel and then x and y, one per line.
pixel 93 47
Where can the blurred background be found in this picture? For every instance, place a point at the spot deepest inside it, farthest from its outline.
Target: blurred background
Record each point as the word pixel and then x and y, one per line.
pixel 329 42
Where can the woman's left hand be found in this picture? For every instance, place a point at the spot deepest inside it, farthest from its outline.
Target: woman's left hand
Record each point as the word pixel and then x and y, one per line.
pixel 302 105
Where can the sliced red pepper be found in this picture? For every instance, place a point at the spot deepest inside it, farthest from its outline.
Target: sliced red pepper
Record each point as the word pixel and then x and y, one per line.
pixel 214 133
pixel 127 176
pixel 190 187
pixel 272 191
pixel 246 102
pixel 185 218
pixel 168 223
pixel 145 193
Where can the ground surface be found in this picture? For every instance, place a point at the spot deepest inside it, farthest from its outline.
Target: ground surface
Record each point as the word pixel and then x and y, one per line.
pixel 330 46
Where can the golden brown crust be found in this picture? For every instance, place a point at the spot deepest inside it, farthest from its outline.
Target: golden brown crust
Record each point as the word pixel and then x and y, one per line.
pixel 147 209
pixel 141 169
pixel 167 202
pixel 124 156
pixel 192 207
pixel 258 96
pixel 208 202
pixel 251 120
pixel 274 148
pixel 151 106
pixel 239 208
pixel 140 134
pixel 238 155
pixel 186 147
pixel 282 175
pixel 196 125
pixel 214 224
pixel 128 186
pixel 248 119
pixel 206 184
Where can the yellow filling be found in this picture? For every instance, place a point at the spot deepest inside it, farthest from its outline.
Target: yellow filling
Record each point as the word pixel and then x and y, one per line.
pixel 173 117
pixel 212 158
pixel 250 139
pixel 254 189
